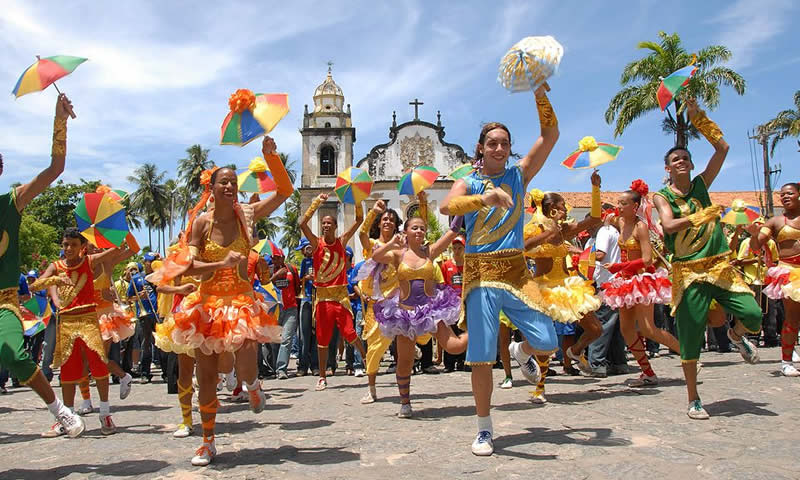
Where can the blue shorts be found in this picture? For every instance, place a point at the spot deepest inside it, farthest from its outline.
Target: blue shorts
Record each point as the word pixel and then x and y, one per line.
pixel 483 307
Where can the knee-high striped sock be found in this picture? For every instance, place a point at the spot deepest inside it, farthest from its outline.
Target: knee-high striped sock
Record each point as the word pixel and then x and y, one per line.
pixel 208 414
pixel 84 386
pixel 185 400
pixel 640 354
pixel 404 387
pixel 788 340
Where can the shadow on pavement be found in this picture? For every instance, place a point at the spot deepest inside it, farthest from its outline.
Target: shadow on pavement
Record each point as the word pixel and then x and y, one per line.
pixel 19 438
pixel 119 469
pixel 595 437
pixel 277 456
pixel 738 406
pixel 141 408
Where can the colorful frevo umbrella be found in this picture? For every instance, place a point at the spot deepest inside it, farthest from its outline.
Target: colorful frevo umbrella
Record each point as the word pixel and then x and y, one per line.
pixel 35 315
pixel 266 247
pixel 44 72
pixel 257 178
pixel 529 63
pixel 741 214
pixel 271 297
pixel 672 84
pixel 417 180
pixel 462 171
pixel 116 194
pixel 252 115
pixel 101 220
pixel 591 154
pixel 353 185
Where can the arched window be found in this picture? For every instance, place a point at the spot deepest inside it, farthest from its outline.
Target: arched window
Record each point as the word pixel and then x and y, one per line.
pixel 327 124
pixel 327 161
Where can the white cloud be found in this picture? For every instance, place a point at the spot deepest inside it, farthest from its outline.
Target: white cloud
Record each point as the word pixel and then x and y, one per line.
pixel 750 26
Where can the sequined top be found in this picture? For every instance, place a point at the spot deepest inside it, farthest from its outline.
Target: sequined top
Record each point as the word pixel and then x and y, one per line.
pixel 491 229
pixel 80 295
pixel 228 280
pixel 788 232
pixel 631 244
pixel 330 264
pixel 416 284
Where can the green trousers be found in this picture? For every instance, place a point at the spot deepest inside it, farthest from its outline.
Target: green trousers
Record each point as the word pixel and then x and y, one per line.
pixel 691 316
pixel 13 355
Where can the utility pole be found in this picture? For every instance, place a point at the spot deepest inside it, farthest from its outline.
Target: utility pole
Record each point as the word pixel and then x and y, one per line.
pixel 762 136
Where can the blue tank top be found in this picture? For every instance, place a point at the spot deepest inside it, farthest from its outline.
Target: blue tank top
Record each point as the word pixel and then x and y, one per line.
pixel 491 229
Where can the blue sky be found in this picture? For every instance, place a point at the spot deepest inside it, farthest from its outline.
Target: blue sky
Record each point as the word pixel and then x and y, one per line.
pixel 160 74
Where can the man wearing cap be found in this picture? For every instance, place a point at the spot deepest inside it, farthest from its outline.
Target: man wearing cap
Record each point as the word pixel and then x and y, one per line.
pixel 143 294
pixel 308 339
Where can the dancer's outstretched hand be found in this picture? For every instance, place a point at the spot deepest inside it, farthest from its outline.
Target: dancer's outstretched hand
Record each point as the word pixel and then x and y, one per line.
pixel 268 146
pixel 379 207
pixel 596 180
pixel 63 106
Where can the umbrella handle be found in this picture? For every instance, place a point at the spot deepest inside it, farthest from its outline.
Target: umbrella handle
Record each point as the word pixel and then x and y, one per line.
pixel 67 106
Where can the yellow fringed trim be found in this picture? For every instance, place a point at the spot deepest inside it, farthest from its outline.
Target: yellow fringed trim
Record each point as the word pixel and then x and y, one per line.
pixel 707 127
pixel 715 270
pixel 465 204
pixel 547 117
pixel 72 326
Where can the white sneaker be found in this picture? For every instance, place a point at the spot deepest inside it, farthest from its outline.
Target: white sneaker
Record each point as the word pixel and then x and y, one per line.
pixel 795 356
pixel 368 398
pixel 85 409
pixel 580 360
pixel 257 400
pixel 359 373
pixel 696 410
pixel 230 380
pixel 242 396
pixel 483 446
pixel 747 350
pixel 125 386
pixel 71 423
pixel 56 430
pixel 221 383
pixel 527 363
pixel 204 455
pixel 183 431
pixel 789 370
pixel 507 383
pixel 643 381
pixel 107 426
pixel 405 411
pixel 538 397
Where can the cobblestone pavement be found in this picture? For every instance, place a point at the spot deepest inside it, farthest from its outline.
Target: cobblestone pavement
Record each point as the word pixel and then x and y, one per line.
pixel 591 428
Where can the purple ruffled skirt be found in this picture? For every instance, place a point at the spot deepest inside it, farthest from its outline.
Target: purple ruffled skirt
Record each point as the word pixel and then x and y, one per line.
pixel 393 319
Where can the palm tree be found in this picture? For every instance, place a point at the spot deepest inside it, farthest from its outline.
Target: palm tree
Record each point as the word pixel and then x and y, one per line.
pixel 641 78
pixel 189 170
pixel 290 166
pixel 149 200
pixel 290 237
pixel 173 195
pixel 785 124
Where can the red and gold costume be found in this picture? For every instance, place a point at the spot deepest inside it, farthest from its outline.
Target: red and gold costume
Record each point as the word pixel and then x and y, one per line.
pixel 225 311
pixel 633 283
pixel 332 303
pixel 78 329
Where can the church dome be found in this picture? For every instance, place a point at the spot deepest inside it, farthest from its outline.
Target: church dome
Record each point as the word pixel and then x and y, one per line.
pixel 328 97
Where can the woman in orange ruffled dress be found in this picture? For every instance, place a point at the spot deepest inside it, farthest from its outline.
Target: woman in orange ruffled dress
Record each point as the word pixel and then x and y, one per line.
pixel 637 285
pixel 224 316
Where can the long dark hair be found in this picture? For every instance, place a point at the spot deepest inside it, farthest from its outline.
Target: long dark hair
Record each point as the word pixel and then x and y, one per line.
pixel 375 229
pixel 482 138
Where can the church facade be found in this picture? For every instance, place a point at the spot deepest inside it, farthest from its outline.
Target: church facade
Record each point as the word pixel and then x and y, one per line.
pixel 328 137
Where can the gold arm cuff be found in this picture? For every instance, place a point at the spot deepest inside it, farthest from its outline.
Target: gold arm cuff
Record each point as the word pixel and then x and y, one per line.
pixel 707 127
pixel 367 225
pixel 596 208
pixel 48 282
pixel 59 137
pixel 547 117
pixel 9 300
pixel 465 204
pixel 313 208
pixel 706 215
pixel 766 231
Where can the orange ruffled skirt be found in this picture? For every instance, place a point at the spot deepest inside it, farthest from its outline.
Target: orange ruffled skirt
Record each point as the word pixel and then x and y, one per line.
pixel 115 324
pixel 223 323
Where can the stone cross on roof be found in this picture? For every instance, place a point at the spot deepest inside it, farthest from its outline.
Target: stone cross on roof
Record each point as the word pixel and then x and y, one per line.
pixel 416 104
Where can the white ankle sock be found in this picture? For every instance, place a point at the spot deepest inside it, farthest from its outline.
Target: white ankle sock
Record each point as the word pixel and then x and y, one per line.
pixel 105 408
pixel 485 424
pixel 56 407
pixel 253 387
